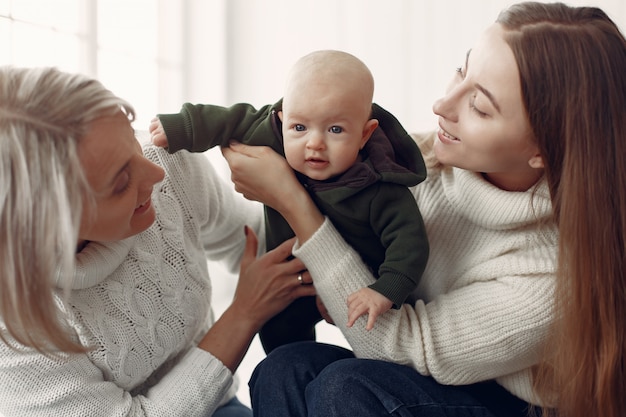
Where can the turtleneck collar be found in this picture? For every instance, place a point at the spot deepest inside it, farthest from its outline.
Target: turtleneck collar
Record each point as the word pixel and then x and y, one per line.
pixel 96 261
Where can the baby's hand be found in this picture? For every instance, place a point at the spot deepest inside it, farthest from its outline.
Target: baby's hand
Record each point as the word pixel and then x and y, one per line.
pixel 366 300
pixel 157 134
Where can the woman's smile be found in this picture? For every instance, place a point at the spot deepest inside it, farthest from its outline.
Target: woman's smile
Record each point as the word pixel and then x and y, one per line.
pixel 144 207
pixel 445 136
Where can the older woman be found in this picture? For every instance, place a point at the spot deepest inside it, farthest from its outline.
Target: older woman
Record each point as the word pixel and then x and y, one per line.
pixel 105 293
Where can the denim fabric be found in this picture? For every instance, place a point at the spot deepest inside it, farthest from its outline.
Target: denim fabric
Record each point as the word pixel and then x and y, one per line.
pixel 318 380
pixel 233 408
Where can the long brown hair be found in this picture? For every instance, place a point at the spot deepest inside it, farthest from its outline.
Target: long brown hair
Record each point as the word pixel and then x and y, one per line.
pixel 572 63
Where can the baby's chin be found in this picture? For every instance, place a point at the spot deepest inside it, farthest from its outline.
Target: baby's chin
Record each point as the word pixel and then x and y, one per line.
pixel 317 174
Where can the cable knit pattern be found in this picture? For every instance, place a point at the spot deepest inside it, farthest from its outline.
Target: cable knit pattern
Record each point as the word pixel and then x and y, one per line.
pixel 142 304
pixel 483 306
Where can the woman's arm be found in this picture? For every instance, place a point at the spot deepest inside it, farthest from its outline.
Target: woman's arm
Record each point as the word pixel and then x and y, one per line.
pixel 64 385
pixel 266 286
pixel 255 169
pixel 481 331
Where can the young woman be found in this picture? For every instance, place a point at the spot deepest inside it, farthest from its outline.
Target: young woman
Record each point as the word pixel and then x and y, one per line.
pixel 508 318
pixel 105 293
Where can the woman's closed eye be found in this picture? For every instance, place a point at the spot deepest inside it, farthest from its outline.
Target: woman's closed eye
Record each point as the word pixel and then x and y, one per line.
pixel 472 105
pixel 122 183
pixel 472 102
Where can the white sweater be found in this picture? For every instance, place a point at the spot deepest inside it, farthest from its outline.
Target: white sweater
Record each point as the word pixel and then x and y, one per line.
pixel 483 306
pixel 142 304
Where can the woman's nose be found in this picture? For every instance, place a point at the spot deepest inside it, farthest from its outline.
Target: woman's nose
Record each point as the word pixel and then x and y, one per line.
pixel 155 173
pixel 445 107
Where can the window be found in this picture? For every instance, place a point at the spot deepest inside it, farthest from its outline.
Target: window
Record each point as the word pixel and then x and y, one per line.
pixel 116 41
pixel 34 32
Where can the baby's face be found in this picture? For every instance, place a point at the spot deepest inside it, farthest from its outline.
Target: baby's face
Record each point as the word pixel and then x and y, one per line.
pixel 324 128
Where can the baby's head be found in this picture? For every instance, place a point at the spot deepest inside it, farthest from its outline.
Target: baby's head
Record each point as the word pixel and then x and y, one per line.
pixel 326 113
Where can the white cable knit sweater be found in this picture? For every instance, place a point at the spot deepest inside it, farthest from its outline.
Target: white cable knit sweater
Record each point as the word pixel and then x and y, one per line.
pixel 142 304
pixel 484 303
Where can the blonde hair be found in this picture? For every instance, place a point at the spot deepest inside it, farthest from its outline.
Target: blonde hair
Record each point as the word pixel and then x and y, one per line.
pixel 572 64
pixel 43 115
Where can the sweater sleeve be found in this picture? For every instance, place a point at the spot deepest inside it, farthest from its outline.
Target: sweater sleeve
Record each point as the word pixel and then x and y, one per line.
pixel 480 331
pixel 218 212
pixel 199 127
pixel 35 385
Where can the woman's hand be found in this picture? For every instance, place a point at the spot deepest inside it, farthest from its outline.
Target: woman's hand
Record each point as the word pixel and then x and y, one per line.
pixel 269 283
pixel 261 174
pixel 266 286
pixel 255 170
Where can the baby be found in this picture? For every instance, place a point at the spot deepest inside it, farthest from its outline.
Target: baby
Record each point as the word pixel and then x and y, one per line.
pixel 354 158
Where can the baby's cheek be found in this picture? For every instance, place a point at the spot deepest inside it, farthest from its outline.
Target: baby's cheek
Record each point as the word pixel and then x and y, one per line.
pixel 294 155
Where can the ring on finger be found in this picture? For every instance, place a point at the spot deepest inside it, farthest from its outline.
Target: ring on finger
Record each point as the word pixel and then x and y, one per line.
pixel 300 280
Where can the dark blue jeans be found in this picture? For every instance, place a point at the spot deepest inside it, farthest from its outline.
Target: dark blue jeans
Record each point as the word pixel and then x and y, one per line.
pixel 233 408
pixel 319 380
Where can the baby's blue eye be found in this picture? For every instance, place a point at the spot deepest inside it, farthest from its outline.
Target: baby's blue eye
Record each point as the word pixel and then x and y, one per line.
pixel 336 129
pixel 299 128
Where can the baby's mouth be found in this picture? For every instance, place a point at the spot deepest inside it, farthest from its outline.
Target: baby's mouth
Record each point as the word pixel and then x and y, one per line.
pixel 316 162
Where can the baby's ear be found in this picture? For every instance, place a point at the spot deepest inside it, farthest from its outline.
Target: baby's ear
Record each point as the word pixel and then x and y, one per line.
pixel 280 115
pixel 368 129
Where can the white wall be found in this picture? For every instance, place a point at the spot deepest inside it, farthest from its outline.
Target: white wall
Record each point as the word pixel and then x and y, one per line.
pixel 411 46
